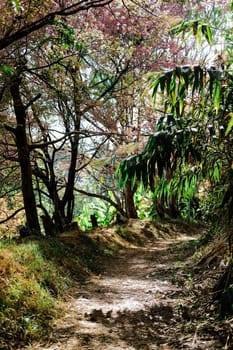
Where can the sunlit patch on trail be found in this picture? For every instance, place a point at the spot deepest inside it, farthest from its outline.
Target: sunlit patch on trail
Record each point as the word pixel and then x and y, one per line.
pixel 138 301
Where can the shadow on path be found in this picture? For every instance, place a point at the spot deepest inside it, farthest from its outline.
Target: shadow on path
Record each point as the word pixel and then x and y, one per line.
pixel 137 302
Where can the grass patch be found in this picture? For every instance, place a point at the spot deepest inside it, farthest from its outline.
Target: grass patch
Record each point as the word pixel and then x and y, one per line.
pixel 34 276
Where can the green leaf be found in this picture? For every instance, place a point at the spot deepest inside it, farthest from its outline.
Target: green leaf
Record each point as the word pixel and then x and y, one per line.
pixel 209 35
pixel 217 95
pixel 199 36
pixel 230 124
pixel 133 180
pixel 214 80
pixel 16 5
pixel 195 27
pixel 168 77
pixel 196 82
pixel 216 173
pixel 162 82
pixel 187 75
pixel 155 86
pixel 6 69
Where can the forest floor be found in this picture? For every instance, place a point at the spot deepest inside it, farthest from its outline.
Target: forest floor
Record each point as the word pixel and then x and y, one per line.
pixel 145 297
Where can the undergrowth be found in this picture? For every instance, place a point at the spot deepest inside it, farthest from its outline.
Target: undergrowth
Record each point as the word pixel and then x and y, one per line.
pixel 34 276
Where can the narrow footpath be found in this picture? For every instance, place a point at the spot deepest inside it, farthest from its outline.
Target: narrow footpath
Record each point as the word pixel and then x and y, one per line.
pixel 140 301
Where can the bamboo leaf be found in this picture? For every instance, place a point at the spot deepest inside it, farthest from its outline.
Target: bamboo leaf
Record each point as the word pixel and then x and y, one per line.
pixel 187 75
pixel 209 35
pixel 212 78
pixel 133 180
pixel 217 95
pixel 230 124
pixel 199 36
pixel 216 173
pixel 168 78
pixel 162 83
pixel 195 27
pixel 155 86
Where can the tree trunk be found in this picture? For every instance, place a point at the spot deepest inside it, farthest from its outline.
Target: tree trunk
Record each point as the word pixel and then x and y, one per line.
pixel 67 203
pixel 159 206
pixel 129 201
pixel 24 158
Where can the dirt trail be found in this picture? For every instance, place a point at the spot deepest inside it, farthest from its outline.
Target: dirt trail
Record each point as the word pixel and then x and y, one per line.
pixel 138 302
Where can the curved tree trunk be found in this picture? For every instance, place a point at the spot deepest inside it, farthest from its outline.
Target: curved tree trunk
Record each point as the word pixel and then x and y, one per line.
pixel 129 201
pixel 67 202
pixel 24 157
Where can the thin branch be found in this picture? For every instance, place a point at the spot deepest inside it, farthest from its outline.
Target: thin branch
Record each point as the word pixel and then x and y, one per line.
pixel 111 87
pixel 33 100
pixel 45 144
pixel 83 5
pixel 94 154
pixel 11 216
pixel 144 8
pixel 9 192
pixel 85 133
pixel 9 128
pixel 106 199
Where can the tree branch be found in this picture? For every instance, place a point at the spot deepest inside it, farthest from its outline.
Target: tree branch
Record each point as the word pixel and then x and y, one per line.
pixel 114 83
pixel 82 5
pixel 106 199
pixel 93 156
pixel 10 128
pixel 34 99
pixel 11 216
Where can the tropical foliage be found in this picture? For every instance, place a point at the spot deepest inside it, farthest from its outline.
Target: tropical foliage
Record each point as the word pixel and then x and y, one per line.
pixel 191 149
